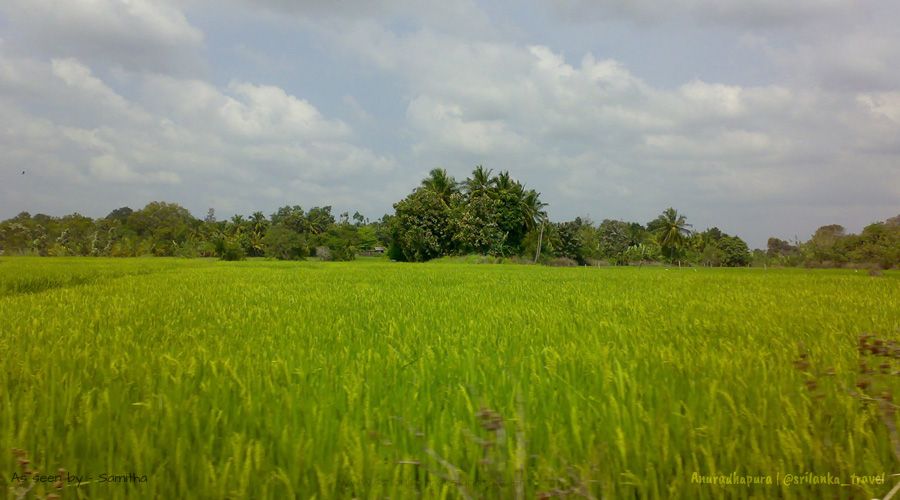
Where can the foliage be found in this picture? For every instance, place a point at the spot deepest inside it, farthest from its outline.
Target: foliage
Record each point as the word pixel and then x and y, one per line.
pixel 734 251
pixel 671 231
pixel 229 248
pixel 567 242
pixel 615 237
pixel 167 229
pixel 475 225
pixel 487 214
pixel 421 227
pixel 283 243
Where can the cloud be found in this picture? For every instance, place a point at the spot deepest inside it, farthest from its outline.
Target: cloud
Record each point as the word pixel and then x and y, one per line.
pixel 243 111
pixel 882 104
pixel 108 102
pixel 847 60
pixel 138 35
pixel 177 139
pixel 844 46
pixel 595 137
pixel 743 13
pixel 112 169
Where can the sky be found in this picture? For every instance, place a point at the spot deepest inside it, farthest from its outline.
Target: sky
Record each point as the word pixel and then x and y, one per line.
pixel 759 117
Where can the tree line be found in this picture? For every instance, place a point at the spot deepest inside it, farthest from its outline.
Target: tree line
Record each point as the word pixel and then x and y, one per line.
pixel 169 230
pixel 485 214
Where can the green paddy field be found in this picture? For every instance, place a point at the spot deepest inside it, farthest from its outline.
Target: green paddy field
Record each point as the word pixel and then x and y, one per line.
pixel 157 378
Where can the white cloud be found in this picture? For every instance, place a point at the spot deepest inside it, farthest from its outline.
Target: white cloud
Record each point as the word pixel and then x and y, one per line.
pixel 595 135
pixel 107 167
pixel 139 35
pixel 106 100
pixel 882 104
pixel 191 142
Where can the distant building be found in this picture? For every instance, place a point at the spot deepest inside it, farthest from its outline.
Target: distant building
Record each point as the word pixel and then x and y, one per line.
pixel 373 252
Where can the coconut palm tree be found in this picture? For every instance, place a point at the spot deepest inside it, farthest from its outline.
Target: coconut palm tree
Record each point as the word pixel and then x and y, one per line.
pixel 440 183
pixel 503 181
pixel 533 208
pixel 259 222
pixel 480 181
pixel 237 224
pixel 671 232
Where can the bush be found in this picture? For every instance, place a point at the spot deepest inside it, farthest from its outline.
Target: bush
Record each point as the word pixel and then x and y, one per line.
pixel 229 249
pixel 283 243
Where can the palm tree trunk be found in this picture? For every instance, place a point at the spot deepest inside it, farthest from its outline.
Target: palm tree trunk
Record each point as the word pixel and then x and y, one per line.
pixel 540 237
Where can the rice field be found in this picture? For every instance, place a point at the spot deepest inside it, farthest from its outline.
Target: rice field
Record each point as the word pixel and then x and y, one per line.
pixel 158 378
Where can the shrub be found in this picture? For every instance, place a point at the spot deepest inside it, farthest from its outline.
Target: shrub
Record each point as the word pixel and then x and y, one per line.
pixel 229 249
pixel 283 243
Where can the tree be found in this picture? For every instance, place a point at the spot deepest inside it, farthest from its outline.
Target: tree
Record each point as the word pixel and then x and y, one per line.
pixel 781 252
pixel 879 243
pixel 229 248
pixel 283 243
pixel 440 183
pixel 671 229
pixel 503 181
pixel 615 239
pixel 735 252
pixel 474 225
pixel 567 242
pixel 341 240
pixel 421 227
pixel 15 237
pixel 519 210
pixel 643 252
pixel 163 225
pixel 533 209
pixel 823 247
pixel 120 214
pixel 292 217
pixel 319 219
pixel 77 234
pixel 258 222
pixel 367 236
pixel 480 182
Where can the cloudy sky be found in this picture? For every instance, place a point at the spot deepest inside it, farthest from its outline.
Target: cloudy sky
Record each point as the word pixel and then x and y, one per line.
pixel 761 117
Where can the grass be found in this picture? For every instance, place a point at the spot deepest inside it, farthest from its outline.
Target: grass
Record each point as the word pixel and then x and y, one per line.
pixel 373 379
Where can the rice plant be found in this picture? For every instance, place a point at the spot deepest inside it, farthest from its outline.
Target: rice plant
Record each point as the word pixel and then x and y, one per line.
pixel 157 378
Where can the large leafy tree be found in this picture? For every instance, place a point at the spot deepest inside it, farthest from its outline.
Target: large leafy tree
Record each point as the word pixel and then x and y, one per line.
pixel 421 227
pixel 283 243
pixel 734 251
pixel 879 243
pixel 292 217
pixel 474 225
pixel 615 240
pixel 567 240
pixel 163 225
pixel 824 246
